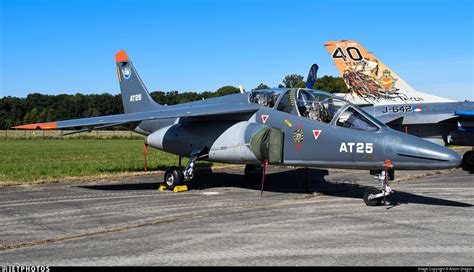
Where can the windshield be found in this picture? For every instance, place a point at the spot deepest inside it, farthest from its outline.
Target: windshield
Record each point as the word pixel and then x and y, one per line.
pixel 351 118
pixel 318 106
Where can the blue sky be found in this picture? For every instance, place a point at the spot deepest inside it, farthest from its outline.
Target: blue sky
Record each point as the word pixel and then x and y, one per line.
pixel 57 47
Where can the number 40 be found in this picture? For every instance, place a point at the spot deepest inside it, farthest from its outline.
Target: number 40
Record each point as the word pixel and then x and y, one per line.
pixel 353 53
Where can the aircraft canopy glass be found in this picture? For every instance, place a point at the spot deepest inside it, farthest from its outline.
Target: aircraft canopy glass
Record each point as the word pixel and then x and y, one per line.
pixel 318 106
pixel 351 118
pixel 265 98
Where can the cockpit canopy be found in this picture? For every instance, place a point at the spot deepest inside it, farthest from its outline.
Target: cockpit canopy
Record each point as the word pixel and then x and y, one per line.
pixel 316 105
pixel 265 98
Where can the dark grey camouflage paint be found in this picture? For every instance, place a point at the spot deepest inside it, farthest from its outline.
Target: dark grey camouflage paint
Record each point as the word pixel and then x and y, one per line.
pixel 405 151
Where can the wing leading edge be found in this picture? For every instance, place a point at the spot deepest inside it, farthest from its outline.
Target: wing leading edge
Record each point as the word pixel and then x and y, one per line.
pixel 208 110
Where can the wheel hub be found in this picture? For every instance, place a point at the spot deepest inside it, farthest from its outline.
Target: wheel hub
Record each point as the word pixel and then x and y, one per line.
pixel 371 196
pixel 170 179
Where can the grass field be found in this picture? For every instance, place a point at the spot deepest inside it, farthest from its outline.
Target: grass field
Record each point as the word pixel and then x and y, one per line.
pixel 33 161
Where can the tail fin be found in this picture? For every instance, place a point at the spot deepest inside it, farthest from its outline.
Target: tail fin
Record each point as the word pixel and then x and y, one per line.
pixel 312 76
pixel 368 78
pixel 135 96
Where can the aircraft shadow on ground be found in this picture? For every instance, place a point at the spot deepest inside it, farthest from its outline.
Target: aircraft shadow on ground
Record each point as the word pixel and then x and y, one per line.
pixel 290 181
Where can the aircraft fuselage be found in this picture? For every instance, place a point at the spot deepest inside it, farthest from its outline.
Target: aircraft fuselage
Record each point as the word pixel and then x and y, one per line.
pixel 305 142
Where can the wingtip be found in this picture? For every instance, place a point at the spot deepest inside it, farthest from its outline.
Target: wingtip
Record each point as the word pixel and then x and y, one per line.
pixel 37 126
pixel 121 56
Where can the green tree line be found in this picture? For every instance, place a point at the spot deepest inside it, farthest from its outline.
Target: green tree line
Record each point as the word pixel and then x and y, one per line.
pixel 38 108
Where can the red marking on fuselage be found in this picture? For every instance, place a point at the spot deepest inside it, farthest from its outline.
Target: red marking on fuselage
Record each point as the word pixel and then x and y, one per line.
pixel 316 133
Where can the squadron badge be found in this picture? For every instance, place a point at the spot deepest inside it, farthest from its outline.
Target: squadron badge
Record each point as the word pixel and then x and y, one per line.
pixel 126 72
pixel 388 81
pixel 298 136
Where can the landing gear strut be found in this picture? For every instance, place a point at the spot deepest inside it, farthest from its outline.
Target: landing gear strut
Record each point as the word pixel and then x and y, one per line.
pixel 373 196
pixel 175 177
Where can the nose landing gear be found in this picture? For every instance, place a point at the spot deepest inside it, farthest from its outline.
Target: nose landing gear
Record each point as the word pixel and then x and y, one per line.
pixel 373 196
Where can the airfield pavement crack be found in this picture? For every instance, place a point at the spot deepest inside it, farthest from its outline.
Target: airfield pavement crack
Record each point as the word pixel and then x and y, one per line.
pixel 18 245
pixel 94 233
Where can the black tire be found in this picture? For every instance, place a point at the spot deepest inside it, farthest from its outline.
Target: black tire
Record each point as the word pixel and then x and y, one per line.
pixel 253 172
pixel 468 161
pixel 372 202
pixel 173 177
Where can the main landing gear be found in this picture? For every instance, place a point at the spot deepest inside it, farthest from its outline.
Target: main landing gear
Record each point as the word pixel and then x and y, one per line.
pixel 373 196
pixel 175 177
pixel 468 161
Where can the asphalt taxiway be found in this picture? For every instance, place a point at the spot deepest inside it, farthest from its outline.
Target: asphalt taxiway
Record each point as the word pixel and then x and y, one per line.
pixel 222 220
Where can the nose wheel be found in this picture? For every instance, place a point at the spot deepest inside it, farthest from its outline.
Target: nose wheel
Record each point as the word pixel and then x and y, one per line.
pixel 370 197
pixel 374 196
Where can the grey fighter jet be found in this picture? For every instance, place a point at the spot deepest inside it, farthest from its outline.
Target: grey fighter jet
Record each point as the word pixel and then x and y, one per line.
pixel 291 126
pixel 386 96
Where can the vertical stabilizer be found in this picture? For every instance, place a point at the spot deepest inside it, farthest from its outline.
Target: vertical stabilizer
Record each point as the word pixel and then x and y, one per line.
pixel 135 96
pixel 369 80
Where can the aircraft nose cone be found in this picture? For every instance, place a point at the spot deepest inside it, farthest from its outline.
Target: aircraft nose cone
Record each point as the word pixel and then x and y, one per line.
pixel 447 158
pixel 431 155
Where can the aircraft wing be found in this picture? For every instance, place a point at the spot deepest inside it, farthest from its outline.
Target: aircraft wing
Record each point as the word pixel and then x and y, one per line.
pixel 208 110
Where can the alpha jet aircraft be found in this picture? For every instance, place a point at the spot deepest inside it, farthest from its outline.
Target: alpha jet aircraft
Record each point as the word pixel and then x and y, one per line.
pixel 385 95
pixel 299 127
